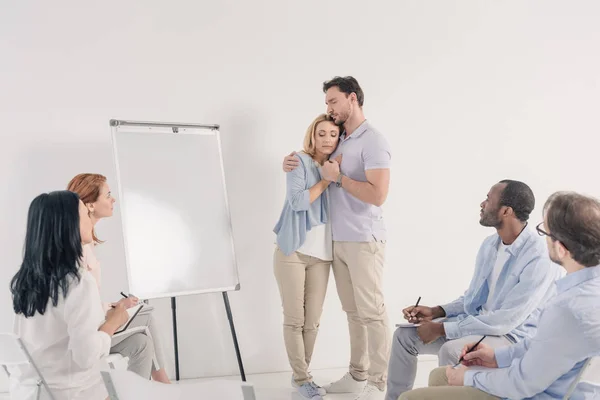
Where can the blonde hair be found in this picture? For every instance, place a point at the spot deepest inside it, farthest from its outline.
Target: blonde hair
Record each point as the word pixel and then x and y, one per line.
pixel 309 137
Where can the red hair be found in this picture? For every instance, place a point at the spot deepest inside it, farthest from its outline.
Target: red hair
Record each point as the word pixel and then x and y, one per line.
pixel 88 187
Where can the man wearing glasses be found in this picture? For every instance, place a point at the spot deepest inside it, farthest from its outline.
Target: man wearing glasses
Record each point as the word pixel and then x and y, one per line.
pixel 513 277
pixel 547 366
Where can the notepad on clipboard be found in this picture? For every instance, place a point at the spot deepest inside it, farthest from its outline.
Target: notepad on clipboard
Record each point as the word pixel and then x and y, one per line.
pixel 133 312
pixel 409 325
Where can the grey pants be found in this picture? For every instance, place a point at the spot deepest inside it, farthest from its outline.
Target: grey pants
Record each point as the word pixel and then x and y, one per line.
pixel 144 353
pixel 406 346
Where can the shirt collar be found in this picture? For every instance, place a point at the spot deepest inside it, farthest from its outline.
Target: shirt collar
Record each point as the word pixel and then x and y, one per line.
pixel 577 278
pixel 362 128
pixel 516 246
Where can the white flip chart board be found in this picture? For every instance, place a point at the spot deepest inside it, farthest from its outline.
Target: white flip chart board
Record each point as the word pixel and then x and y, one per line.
pixel 173 201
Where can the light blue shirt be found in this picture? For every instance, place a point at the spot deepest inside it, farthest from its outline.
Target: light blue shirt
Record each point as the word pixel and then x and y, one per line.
pixel 545 366
pixel 299 215
pixel 522 287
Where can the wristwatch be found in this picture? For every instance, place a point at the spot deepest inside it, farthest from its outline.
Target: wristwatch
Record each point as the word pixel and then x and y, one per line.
pixel 338 181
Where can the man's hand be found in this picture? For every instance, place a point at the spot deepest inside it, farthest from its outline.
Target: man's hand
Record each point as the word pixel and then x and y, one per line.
pixel 330 170
pixel 418 314
pixel 339 159
pixel 422 313
pixel 456 376
pixel 290 162
pixel 483 356
pixel 430 331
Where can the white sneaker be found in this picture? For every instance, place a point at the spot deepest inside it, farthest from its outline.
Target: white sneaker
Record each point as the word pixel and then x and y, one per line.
pixel 308 391
pixel 321 391
pixel 370 392
pixel 345 385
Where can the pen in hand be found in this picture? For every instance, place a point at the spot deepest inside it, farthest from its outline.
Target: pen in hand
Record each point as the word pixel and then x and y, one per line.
pixel 416 305
pixel 123 294
pixel 468 351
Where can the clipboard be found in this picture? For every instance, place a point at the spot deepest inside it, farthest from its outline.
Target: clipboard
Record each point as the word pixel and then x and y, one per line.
pixel 133 312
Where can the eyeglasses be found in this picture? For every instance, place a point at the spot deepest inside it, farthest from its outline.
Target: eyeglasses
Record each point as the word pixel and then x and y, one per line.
pixel 542 232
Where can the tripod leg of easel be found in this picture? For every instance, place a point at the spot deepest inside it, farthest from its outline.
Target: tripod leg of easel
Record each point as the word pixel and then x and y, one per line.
pixel 175 342
pixel 234 336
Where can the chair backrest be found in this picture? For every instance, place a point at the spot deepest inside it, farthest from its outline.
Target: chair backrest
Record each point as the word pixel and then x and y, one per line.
pixel 588 379
pixel 13 353
pixel 126 385
pixel 592 371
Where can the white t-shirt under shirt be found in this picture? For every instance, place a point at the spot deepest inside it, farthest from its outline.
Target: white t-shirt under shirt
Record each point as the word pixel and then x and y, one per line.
pixel 319 243
pixel 501 259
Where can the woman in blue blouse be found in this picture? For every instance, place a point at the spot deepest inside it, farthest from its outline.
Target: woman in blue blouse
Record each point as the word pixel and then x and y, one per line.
pixel 304 251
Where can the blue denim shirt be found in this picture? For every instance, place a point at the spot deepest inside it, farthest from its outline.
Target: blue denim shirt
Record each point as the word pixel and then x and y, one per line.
pixel 299 215
pixel 523 286
pixel 547 365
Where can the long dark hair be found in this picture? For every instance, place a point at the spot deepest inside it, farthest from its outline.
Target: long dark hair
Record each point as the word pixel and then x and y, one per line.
pixel 51 255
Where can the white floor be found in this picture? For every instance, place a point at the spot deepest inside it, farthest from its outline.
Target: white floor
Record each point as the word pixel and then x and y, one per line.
pixel 276 386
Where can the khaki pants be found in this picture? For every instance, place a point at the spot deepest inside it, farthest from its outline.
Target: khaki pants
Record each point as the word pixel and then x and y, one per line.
pixel 302 282
pixel 439 390
pixel 358 271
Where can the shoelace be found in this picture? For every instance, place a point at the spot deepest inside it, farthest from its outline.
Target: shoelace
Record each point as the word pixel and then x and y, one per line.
pixel 311 390
pixel 369 388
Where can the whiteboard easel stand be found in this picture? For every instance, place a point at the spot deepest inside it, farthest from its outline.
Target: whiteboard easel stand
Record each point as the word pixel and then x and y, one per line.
pixel 175 128
pixel 231 327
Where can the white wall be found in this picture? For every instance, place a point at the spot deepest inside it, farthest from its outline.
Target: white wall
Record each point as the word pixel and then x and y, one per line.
pixel 467 92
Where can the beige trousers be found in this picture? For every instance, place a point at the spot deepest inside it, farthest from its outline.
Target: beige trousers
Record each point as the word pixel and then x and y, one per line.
pixel 358 271
pixel 302 282
pixel 439 390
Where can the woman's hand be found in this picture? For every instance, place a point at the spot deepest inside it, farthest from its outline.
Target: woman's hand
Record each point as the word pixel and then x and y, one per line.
pixel 115 317
pixel 129 302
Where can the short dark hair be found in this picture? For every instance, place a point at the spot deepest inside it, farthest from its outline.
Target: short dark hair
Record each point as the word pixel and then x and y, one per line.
pixel 346 84
pixel 52 253
pixel 574 220
pixel 518 196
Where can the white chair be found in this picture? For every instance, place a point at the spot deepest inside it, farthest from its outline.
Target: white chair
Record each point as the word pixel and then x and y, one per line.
pixel 117 361
pixel 126 385
pixel 589 376
pixel 14 353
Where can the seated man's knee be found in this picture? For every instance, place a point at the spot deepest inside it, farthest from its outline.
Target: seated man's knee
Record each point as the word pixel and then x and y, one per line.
pixel 438 377
pixel 407 338
pixel 449 353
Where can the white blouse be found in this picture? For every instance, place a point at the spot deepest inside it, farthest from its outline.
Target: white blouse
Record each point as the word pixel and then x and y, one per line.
pixel 92 264
pixel 66 346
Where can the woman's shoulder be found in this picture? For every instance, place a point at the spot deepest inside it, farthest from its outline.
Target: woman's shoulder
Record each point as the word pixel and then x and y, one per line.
pixel 89 258
pixel 304 157
pixel 307 161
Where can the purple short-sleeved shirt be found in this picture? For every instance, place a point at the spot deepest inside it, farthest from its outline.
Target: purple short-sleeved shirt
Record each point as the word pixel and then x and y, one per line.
pixel 354 220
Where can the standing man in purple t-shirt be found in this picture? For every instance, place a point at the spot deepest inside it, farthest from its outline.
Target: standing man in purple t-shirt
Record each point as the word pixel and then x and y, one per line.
pixel 359 188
